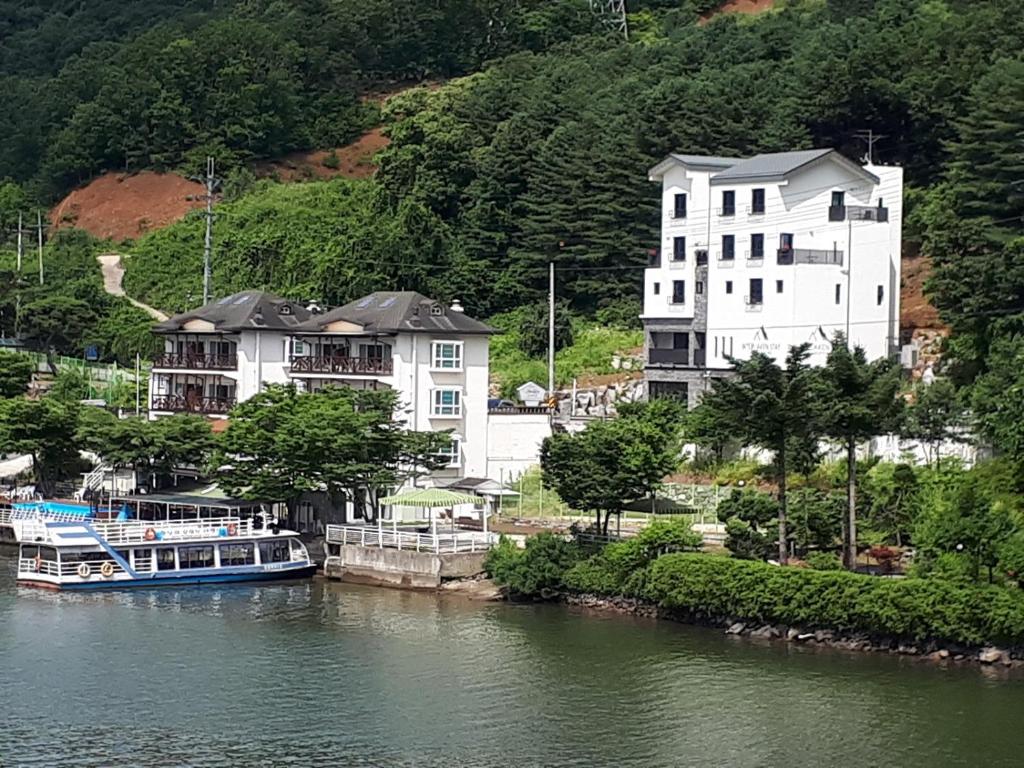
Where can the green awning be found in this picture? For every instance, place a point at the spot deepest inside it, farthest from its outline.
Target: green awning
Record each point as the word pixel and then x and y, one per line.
pixel 430 498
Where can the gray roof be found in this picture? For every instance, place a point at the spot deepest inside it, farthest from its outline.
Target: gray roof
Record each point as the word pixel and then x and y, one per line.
pixel 248 310
pixel 771 165
pixel 390 312
pixel 710 162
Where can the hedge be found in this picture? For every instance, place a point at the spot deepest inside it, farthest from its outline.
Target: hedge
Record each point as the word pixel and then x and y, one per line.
pixel 913 609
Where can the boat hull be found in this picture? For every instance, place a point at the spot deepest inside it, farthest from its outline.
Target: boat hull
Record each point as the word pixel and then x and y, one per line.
pixel 177 580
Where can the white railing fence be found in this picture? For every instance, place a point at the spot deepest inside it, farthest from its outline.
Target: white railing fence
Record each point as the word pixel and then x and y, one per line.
pixel 141 531
pixel 440 543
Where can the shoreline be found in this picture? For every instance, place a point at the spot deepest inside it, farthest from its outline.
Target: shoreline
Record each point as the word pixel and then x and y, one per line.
pixel 942 654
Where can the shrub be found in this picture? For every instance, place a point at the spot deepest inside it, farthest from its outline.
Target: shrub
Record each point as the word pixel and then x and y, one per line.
pixel 537 570
pixel 911 609
pixel 824 561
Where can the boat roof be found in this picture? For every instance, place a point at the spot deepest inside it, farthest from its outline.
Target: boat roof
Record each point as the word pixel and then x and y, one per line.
pixel 191 500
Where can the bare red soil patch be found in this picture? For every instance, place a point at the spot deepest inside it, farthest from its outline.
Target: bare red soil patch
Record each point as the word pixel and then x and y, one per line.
pixel 739 6
pixel 122 206
pixel 354 161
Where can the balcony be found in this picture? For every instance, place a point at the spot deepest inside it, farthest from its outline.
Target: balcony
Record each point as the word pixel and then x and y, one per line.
pixel 875 213
pixel 702 258
pixel 668 356
pixel 366 366
pixel 809 256
pixel 192 404
pixel 196 361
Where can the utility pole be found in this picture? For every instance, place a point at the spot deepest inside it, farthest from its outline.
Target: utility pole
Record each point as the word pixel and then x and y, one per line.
pixel 208 245
pixel 612 14
pixel 870 138
pixel 849 277
pixel 551 329
pixel 39 226
pixel 21 248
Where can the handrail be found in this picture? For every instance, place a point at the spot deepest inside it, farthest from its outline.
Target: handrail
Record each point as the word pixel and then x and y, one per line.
pixel 196 361
pixel 192 404
pixel 342 364
pixel 440 543
pixel 135 531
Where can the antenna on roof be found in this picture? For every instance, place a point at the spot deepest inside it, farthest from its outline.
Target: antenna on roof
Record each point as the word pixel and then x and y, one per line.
pixel 612 13
pixel 870 138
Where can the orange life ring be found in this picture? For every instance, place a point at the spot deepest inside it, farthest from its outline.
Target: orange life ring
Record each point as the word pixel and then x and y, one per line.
pixel 232 529
pixel 149 535
pixel 84 570
pixel 107 570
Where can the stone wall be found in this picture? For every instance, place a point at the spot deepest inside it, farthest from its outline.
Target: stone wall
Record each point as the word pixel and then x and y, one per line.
pixel 400 567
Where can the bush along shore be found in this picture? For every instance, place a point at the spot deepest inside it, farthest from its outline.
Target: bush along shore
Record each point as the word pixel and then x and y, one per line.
pixel 660 574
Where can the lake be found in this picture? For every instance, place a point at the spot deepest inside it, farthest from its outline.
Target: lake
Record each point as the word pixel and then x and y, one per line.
pixel 321 673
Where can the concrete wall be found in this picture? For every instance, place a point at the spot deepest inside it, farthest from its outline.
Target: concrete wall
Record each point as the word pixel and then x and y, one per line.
pixel 400 568
pixel 513 443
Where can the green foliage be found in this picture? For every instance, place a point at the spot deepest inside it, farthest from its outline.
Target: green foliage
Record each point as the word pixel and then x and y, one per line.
pixel 824 561
pixel 137 443
pixel 893 498
pixel 533 329
pixel 44 428
pixel 15 374
pixel 71 385
pixel 613 462
pixel 536 571
pixel 745 541
pixel 936 415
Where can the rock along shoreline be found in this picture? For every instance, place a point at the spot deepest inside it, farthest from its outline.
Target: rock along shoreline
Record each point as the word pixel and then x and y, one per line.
pixel 932 651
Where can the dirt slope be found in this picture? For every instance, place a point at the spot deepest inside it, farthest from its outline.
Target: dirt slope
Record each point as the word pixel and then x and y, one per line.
pixel 120 206
pixel 353 161
pixel 739 6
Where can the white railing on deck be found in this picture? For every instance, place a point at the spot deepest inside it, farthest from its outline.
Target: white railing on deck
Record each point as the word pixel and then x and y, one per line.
pixel 134 531
pixel 441 543
pixel 6 514
pixel 28 565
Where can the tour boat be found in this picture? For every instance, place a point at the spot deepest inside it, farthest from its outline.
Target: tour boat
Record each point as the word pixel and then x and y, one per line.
pixel 89 554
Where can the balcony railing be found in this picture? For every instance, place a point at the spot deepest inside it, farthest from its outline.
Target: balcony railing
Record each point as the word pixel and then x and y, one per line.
pixel 858 213
pixel 673 356
pixel 809 256
pixel 196 361
pixel 191 404
pixel 367 366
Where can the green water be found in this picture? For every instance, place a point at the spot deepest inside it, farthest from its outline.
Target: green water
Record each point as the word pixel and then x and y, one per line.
pixel 321 673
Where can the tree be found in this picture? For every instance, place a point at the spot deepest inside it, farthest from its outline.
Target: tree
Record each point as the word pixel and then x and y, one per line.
pixel 345 442
pixel 859 401
pixel 773 407
pixel 15 374
pixel 57 323
pixel 935 415
pixel 997 397
pixel 45 429
pixel 533 329
pixel 893 493
pixel 745 514
pixel 611 463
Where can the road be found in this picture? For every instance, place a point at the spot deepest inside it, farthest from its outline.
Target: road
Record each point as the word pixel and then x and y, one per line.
pixel 113 275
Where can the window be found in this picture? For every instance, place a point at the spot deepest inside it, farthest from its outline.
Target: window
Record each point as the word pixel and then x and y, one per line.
pixel 728 247
pixel 879 295
pixel 757 246
pixel 757 201
pixel 785 242
pixel 276 551
pixel 436 310
pixel 238 554
pixel 680 341
pixel 728 286
pixel 447 402
pixel 195 557
pixel 679 209
pixel 298 347
pixel 699 287
pixel 838 292
pixel 447 355
pixel 452 453
pixel 678 249
pixel 756 295
pixel 654 257
pixel 657 289
pixel 165 559
pixel 838 199
pixel 374 352
pixel 142 559
pixel 778 286
pixel 678 291
pixel 728 203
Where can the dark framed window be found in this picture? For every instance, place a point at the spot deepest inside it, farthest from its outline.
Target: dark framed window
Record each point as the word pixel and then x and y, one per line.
pixel 165 559
pixel 838 199
pixel 680 341
pixel 778 286
pixel 757 246
pixel 728 286
pixel 757 201
pixel 786 241
pixel 654 257
pixel 756 295
pixel 879 295
pixel 678 291
pixel 657 289
pixel 699 287
pixel 195 557
pixel 678 249
pixel 838 292
pixel 728 247
pixel 238 554
pixel 679 206
pixel 728 203
pixel 275 551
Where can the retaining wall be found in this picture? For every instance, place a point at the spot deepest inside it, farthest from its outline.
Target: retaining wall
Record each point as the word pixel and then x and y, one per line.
pixel 400 567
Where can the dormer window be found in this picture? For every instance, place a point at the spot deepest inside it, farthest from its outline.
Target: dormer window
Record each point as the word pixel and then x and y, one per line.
pixel 437 310
pixel 285 310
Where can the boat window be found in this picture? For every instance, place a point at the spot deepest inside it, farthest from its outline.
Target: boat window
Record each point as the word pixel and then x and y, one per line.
pixel 143 559
pixel 275 551
pixel 165 559
pixel 84 557
pixel 237 554
pixel 196 557
pixel 298 551
pixel 48 553
pixel 28 552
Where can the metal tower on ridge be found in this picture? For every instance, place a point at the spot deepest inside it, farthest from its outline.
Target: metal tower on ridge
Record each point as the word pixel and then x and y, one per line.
pixel 613 14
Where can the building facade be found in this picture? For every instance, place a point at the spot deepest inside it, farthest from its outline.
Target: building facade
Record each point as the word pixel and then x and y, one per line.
pixel 434 356
pixel 764 253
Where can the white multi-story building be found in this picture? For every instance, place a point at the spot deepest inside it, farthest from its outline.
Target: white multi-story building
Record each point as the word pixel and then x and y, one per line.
pixel 433 355
pixel 763 253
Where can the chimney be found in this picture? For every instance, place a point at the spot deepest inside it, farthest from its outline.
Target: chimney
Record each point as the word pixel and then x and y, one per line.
pixel 457 306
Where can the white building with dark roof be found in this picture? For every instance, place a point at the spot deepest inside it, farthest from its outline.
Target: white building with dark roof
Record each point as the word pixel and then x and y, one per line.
pixel 433 355
pixel 766 252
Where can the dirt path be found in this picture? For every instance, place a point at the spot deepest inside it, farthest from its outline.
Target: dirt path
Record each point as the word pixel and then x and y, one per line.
pixel 113 275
